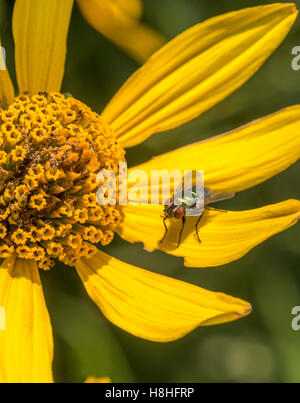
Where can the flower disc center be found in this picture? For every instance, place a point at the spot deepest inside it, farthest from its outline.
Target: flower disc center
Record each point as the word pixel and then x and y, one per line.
pixel 51 150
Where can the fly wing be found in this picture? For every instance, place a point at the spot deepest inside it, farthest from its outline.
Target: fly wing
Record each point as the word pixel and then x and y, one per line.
pixel 213 197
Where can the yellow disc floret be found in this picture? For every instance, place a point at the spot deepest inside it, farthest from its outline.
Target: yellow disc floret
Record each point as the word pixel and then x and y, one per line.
pixel 51 149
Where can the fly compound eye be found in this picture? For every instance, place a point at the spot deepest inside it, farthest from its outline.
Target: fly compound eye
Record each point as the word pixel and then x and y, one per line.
pixel 179 212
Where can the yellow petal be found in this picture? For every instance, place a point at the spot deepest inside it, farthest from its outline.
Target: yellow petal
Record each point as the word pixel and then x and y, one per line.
pixel 97 380
pixel 26 346
pixel 150 305
pixel 225 235
pixel 40 29
pixel 134 8
pixel 119 22
pixel 7 92
pixel 242 158
pixel 196 70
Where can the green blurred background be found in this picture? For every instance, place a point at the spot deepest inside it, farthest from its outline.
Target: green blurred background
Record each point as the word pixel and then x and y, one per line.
pixel 261 347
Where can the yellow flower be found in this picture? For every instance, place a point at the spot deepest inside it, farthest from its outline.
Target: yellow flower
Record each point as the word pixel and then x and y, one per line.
pixel 57 215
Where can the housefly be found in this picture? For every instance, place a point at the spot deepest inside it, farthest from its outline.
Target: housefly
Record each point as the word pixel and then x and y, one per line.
pixel 177 206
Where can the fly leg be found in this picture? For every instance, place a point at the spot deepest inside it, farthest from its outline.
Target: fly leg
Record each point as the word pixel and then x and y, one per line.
pixel 200 217
pixel 166 230
pixel 196 226
pixel 183 223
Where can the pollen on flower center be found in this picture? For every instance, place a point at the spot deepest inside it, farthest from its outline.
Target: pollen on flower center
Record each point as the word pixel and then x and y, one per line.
pixel 51 149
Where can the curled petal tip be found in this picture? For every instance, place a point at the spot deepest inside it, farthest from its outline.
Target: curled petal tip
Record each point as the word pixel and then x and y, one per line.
pixel 247 311
pixel 292 7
